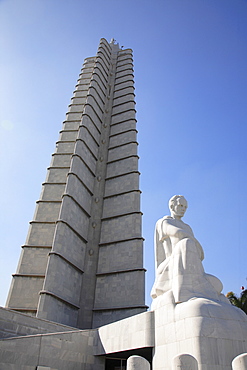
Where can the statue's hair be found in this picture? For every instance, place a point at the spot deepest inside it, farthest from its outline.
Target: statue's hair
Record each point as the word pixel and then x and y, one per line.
pixel 173 200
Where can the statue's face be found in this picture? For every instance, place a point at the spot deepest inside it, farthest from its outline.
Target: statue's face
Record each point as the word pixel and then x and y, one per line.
pixel 180 206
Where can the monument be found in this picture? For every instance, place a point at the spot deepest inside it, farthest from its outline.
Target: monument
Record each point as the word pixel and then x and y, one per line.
pixel 77 299
pixel 82 264
pixel 195 325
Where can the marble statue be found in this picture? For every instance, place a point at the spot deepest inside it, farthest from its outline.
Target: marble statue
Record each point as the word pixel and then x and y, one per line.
pixel 179 255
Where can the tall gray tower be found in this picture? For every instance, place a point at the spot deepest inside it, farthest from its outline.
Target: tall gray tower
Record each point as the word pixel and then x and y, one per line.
pixel 82 264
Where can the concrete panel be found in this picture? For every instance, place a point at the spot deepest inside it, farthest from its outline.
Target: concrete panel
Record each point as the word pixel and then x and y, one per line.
pixel 73 116
pixel 125 70
pixel 121 204
pixel 71 125
pixel 30 288
pixel 61 160
pixel 98 86
pixel 121 256
pixel 123 107
pixel 70 245
pixel 123 85
pixel 93 116
pixel 124 92
pixel 52 192
pixel 128 77
pixel 122 138
pixel 75 108
pixel 68 136
pixel 81 170
pixel 40 234
pixel 88 139
pixel 122 184
pixel 96 103
pixel 65 147
pixel 124 98
pixel 125 116
pixel 63 279
pixel 57 176
pixel 127 64
pixel 47 211
pixel 13 323
pixel 85 154
pixel 73 215
pixel 79 192
pixel 119 289
pixel 56 310
pixel 121 228
pixel 133 332
pixel 79 100
pixel 123 151
pixel 92 128
pixel 104 317
pixel 123 126
pixel 34 260
pixel 122 166
pixel 126 60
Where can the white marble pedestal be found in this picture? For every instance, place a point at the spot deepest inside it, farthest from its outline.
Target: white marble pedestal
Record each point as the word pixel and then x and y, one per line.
pixel 213 332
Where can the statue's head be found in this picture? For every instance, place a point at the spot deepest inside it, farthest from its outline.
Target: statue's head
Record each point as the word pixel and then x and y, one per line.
pixel 178 205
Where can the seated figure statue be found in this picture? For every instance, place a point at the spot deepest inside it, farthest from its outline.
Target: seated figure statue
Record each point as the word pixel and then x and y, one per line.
pixel 179 256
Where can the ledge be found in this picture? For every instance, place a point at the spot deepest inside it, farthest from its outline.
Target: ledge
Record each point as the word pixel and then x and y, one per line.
pixel 120 271
pixel 60 298
pixel 66 260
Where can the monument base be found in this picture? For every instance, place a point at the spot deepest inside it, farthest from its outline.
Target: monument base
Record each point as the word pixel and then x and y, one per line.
pixel 213 332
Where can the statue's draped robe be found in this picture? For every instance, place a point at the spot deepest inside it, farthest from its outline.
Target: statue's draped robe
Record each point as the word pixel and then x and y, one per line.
pixel 179 264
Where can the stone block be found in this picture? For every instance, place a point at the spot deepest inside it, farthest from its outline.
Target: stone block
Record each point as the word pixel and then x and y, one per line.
pixel 122 138
pixel 70 245
pixel 122 167
pixel 123 85
pixel 120 256
pixel 86 137
pixel 65 147
pixel 74 125
pixel 40 234
pixel 124 99
pixel 117 185
pixel 57 176
pixel 74 216
pixel 47 211
pixel 30 288
pixel 123 116
pixel 79 168
pixel 121 228
pixel 79 192
pixel 118 289
pixel 128 65
pixel 63 279
pixel 123 151
pixel 88 111
pixel 52 192
pixel 68 136
pixel 33 260
pixel 121 204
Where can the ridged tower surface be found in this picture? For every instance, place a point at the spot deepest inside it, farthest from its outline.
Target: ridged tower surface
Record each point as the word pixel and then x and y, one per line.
pixel 82 264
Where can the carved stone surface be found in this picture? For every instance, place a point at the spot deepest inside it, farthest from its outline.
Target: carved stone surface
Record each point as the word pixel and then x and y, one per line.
pixel 179 271
pixel 191 315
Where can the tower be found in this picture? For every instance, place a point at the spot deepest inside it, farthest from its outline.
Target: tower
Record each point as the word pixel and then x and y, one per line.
pixel 82 264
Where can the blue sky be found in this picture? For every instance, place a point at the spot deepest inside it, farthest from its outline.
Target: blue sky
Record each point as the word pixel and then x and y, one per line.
pixel 190 61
